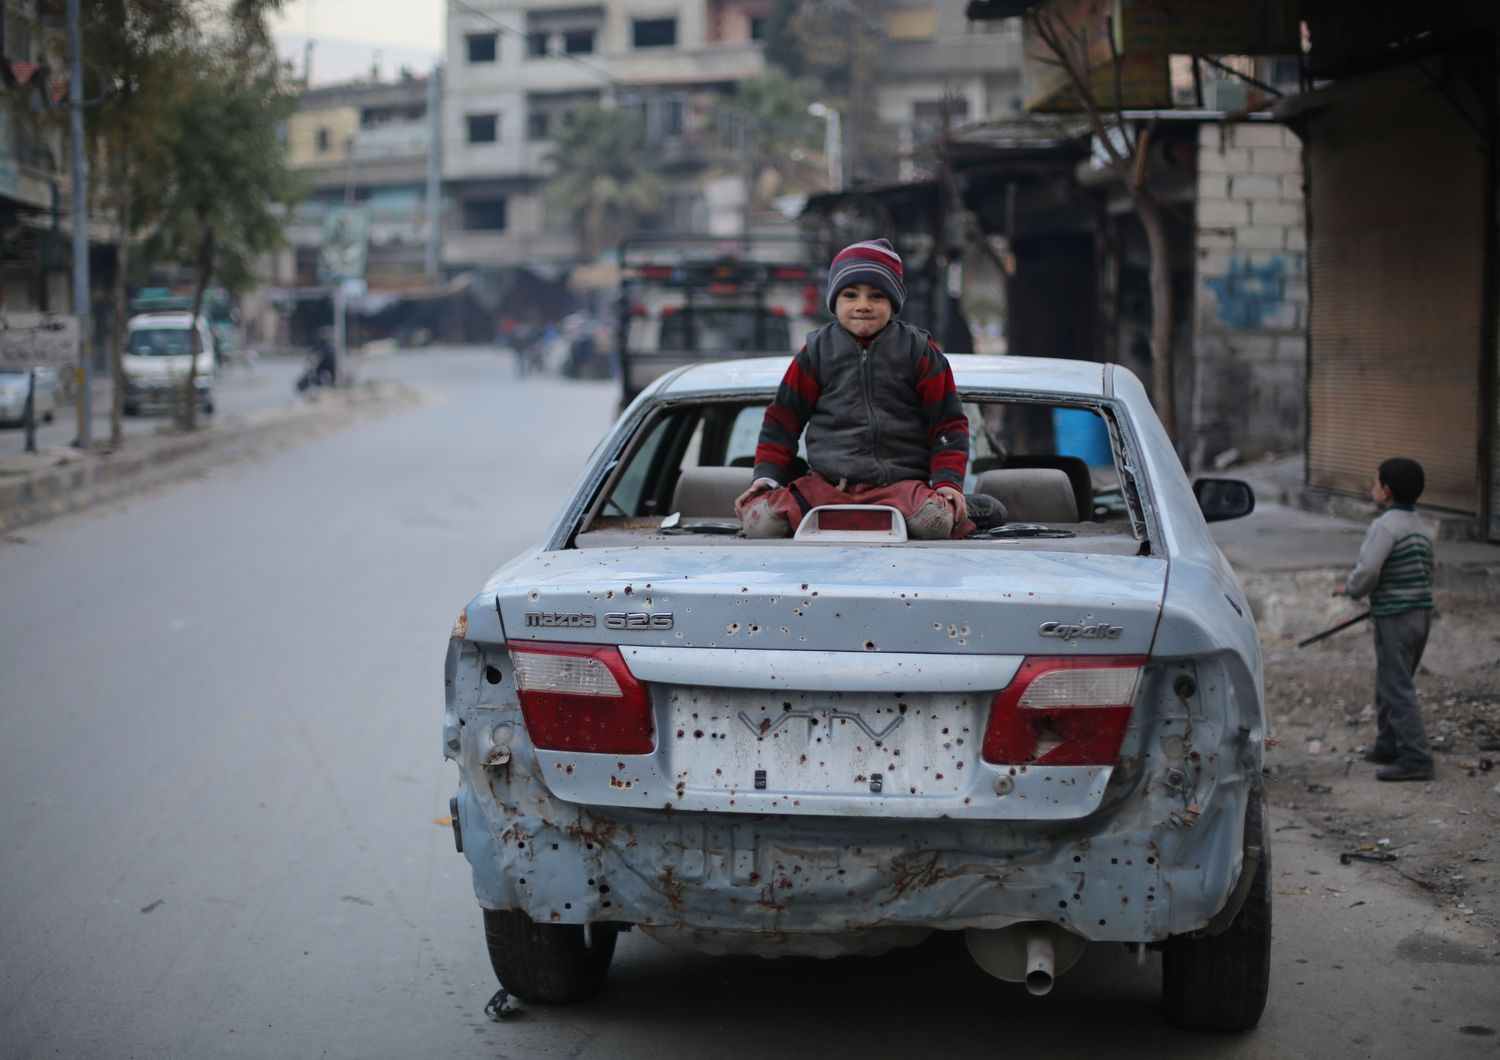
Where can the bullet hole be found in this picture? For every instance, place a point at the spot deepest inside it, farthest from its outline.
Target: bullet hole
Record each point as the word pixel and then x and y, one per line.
pixel 492 674
pixel 1184 687
pixel 1151 861
pixel 520 844
pixel 1063 904
pixel 869 645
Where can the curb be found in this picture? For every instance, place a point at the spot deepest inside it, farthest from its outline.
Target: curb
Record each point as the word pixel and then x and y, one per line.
pixel 81 480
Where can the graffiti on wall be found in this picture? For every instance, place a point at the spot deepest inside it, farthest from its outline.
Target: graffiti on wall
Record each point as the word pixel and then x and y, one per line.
pixel 1249 293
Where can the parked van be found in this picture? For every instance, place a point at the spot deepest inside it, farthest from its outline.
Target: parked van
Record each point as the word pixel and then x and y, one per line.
pixel 158 348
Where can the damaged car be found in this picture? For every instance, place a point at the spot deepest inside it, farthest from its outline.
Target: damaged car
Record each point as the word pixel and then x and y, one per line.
pixel 1045 735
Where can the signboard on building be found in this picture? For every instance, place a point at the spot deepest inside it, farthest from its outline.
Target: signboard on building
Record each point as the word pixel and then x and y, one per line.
pixel 31 340
pixel 346 240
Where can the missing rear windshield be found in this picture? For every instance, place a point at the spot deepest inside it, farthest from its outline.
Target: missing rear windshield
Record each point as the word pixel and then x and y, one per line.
pixel 1054 467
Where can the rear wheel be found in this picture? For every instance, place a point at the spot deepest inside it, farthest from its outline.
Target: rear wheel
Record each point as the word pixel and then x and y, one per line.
pixel 1219 983
pixel 547 963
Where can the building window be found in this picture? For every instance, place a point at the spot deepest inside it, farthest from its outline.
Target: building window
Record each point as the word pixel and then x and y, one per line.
pixel 481 47
pixel 578 41
pixel 484 215
pixel 654 33
pixel 757 29
pixel 325 140
pixel 536 125
pixel 536 45
pixel 484 128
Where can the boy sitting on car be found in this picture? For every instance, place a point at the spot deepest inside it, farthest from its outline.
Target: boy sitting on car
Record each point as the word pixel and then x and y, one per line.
pixel 884 423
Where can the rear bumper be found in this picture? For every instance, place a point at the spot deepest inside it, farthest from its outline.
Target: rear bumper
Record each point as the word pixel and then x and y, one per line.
pixel 1141 869
pixel 167 389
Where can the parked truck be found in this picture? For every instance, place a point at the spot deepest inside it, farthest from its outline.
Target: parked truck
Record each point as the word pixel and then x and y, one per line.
pixel 687 298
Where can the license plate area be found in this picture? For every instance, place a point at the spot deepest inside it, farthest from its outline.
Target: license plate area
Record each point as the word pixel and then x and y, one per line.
pixel 888 744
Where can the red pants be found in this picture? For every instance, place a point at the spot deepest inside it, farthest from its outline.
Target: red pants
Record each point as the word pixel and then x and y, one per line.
pixel 908 497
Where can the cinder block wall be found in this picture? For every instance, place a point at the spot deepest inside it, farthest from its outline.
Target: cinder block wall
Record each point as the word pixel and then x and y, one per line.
pixel 1249 329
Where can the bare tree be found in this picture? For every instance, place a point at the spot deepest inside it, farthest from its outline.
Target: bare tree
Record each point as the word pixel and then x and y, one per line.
pixel 1069 43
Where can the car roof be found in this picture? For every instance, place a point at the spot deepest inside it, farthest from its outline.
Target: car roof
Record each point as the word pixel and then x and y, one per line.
pixel 156 319
pixel 970 372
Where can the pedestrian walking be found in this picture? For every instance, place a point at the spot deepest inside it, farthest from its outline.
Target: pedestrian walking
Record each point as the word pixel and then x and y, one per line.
pixel 1395 570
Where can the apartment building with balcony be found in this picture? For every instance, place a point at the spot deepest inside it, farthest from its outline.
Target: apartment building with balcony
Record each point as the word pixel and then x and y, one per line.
pixel 932 58
pixel 516 69
pixel 35 193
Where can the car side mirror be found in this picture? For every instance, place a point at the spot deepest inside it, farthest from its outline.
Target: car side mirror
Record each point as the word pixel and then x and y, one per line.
pixel 1223 498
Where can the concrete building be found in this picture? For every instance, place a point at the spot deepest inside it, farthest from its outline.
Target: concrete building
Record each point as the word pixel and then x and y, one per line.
pixel 516 69
pixel 35 196
pixel 931 57
pixel 363 144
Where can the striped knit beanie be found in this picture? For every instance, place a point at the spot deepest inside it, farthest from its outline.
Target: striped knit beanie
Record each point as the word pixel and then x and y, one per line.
pixel 874 262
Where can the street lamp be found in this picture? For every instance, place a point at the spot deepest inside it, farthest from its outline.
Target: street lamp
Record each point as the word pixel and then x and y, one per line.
pixel 833 143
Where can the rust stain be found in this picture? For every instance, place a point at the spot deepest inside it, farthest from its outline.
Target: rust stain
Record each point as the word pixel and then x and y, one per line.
pixel 914 873
pixel 461 625
pixel 672 888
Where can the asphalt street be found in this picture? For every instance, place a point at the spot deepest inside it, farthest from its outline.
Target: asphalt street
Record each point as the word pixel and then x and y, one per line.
pixel 222 790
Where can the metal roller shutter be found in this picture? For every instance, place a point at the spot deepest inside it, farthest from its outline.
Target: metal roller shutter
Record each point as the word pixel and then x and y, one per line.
pixel 1396 266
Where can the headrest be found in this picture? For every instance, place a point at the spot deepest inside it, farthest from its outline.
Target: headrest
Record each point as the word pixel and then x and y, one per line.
pixel 710 491
pixel 1032 494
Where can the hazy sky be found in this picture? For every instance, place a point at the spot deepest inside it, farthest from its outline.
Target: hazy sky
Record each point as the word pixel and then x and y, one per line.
pixel 348 33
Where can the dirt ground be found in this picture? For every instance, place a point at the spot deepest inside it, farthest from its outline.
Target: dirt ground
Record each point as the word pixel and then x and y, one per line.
pixel 1442 837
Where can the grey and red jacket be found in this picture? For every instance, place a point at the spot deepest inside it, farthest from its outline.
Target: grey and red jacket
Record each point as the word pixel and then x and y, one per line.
pixel 874 415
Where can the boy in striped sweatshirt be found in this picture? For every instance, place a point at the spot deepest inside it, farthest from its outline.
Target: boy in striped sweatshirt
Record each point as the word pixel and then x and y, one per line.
pixel 884 423
pixel 1395 569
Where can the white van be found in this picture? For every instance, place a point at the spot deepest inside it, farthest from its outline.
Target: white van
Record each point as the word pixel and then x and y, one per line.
pixel 158 347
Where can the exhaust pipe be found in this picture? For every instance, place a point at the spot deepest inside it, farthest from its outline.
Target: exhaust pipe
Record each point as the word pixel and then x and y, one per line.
pixel 1034 953
pixel 1038 963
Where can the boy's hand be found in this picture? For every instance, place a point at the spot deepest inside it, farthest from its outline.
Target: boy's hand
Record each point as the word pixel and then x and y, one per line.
pixel 759 486
pixel 955 498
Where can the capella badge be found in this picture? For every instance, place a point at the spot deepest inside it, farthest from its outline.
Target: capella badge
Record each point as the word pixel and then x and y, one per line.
pixel 1081 631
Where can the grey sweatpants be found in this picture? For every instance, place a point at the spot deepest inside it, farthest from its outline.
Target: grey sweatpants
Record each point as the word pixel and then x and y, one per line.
pixel 1399 642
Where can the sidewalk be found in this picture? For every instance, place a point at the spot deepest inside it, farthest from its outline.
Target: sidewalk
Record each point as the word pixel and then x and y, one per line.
pixel 35 487
pixel 1281 535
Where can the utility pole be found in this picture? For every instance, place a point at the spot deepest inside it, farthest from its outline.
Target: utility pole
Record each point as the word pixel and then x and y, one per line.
pixel 434 191
pixel 81 305
pixel 853 154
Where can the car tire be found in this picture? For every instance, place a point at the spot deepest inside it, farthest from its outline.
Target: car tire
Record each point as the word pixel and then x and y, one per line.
pixel 1219 983
pixel 547 963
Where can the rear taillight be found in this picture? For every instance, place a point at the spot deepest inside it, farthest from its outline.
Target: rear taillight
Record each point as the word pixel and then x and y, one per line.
pixel 582 697
pixel 1063 712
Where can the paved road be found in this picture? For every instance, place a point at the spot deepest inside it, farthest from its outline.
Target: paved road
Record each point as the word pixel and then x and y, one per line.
pixel 268 384
pixel 220 774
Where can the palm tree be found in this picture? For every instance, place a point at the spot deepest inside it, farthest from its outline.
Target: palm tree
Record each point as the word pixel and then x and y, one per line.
pixel 785 148
pixel 604 180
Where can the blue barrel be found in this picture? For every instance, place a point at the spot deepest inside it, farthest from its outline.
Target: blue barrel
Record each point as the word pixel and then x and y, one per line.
pixel 1083 434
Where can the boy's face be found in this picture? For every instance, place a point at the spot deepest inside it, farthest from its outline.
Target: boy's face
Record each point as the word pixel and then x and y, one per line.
pixel 863 309
pixel 1380 493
